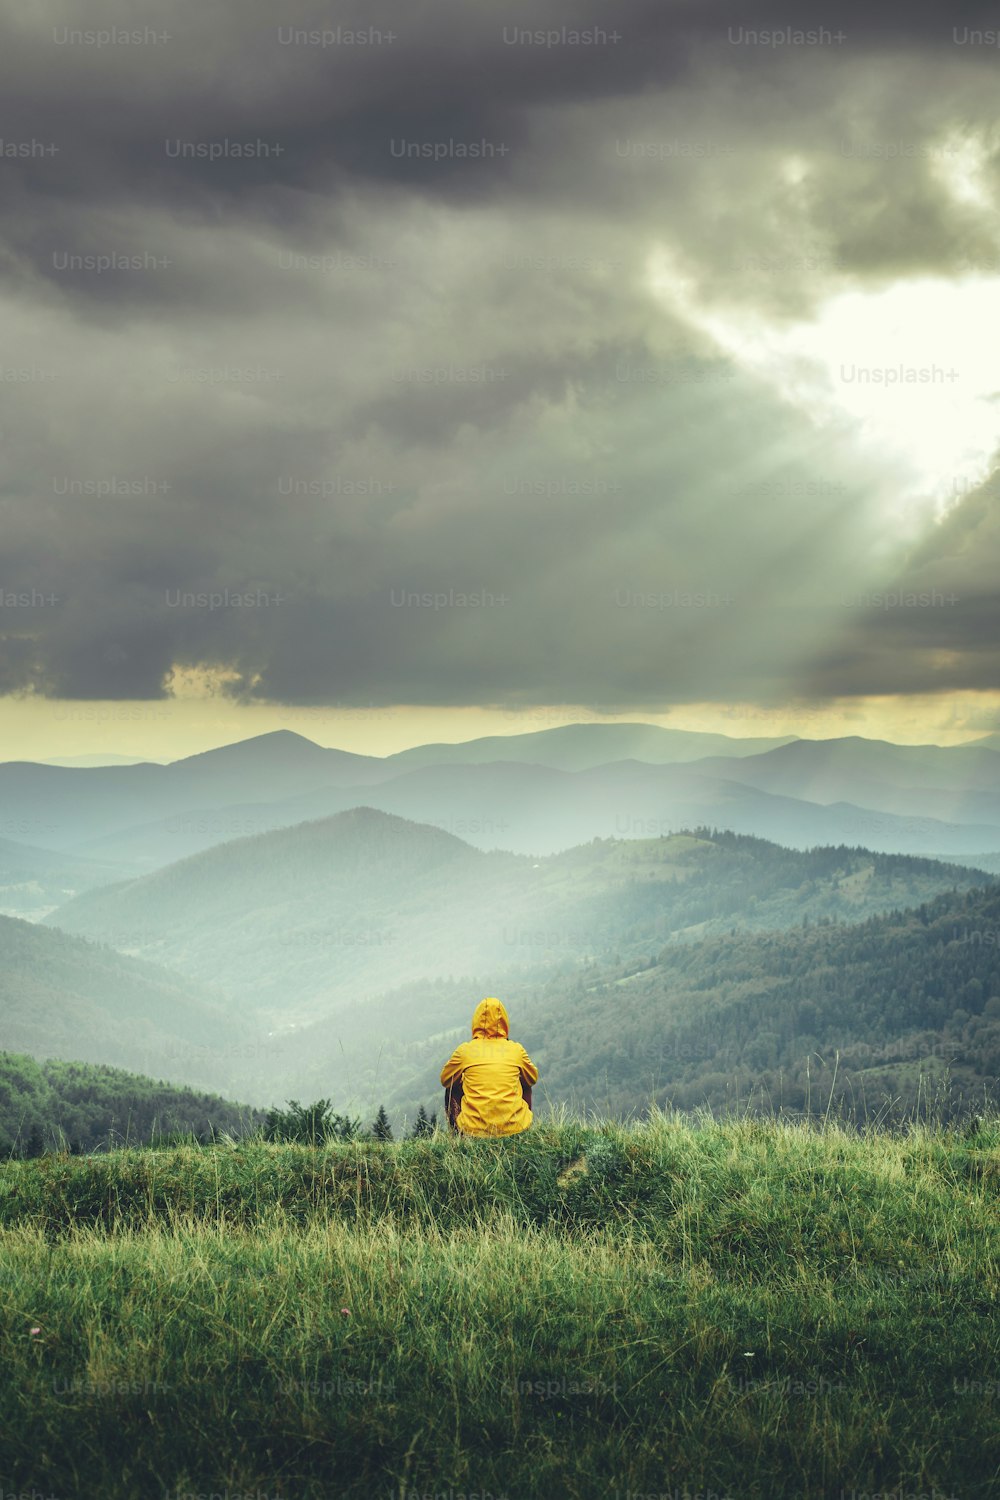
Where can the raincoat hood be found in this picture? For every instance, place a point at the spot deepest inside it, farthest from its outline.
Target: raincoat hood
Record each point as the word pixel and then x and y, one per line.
pixel 490 1019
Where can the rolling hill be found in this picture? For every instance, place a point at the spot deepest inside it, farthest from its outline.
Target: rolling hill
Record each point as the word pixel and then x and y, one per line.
pixel 308 919
pixel 62 997
pixel 538 810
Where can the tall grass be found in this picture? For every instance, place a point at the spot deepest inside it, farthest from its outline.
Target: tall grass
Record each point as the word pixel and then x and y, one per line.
pixel 755 1309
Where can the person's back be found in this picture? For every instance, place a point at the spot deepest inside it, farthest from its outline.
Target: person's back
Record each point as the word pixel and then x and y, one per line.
pixel 492 1072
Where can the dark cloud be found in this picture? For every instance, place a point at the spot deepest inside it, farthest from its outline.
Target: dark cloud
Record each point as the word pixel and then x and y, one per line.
pixel 249 403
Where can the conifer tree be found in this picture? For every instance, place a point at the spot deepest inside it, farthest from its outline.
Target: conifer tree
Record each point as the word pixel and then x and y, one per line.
pixel 381 1129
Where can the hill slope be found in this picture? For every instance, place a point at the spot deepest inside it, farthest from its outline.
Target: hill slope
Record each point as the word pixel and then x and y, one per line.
pixel 61 997
pixel 864 1018
pixel 737 1306
pixel 91 1107
pixel 34 882
pixel 898 996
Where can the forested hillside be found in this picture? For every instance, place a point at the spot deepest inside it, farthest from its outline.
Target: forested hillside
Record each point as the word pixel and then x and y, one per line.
pixel 52 1105
pixel 910 1000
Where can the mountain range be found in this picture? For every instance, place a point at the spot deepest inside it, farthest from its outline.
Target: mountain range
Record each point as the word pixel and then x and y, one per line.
pixel 319 920
pixel 533 794
pixel 270 914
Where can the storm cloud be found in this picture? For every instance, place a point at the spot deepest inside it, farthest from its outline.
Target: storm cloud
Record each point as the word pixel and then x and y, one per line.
pixel 453 355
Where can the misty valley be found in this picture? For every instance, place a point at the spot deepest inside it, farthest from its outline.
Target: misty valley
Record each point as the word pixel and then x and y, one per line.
pixel 273 921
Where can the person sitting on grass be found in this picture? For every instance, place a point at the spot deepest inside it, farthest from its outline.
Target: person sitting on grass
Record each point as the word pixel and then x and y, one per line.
pixel 487 1082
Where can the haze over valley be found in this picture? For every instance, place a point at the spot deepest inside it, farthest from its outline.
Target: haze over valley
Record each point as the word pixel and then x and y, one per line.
pixel 273 919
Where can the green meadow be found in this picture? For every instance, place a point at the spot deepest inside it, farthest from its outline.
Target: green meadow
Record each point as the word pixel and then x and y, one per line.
pixel 684 1307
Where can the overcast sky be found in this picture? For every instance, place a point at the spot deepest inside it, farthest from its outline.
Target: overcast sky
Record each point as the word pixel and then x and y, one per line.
pixel 396 372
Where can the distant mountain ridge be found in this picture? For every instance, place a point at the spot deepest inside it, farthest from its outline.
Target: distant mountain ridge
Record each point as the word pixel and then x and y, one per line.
pixel 580 747
pixel 99 760
pixel 60 807
pixel 540 810
pixel 951 784
pixel 532 793
pixel 67 807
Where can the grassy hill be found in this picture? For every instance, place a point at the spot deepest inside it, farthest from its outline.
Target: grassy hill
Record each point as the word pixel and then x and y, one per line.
pixel 315 917
pixel 744 1309
pixel 45 1105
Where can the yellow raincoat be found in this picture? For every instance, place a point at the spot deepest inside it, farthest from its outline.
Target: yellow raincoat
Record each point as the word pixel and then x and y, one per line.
pixel 491 1068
